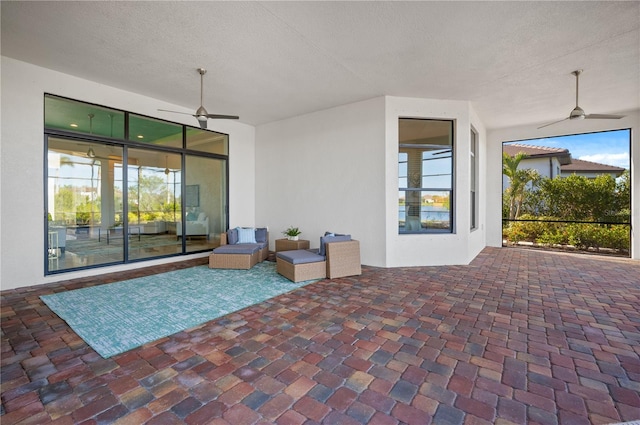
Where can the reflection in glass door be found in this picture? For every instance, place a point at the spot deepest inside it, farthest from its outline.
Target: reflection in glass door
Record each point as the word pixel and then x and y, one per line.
pixel 82 194
pixel 103 211
pixel 204 202
pixel 154 190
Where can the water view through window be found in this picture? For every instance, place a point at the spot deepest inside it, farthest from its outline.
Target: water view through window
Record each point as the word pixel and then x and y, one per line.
pixel 425 176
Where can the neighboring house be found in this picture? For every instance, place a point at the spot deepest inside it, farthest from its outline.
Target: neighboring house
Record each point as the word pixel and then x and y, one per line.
pixel 589 169
pixel 548 162
pixel 554 162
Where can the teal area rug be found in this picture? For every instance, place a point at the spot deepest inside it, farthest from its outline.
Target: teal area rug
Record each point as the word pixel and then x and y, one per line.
pixel 116 317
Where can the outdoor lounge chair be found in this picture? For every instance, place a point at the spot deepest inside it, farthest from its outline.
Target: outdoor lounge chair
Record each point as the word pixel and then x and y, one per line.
pixel 237 253
pixel 338 256
pixel 343 259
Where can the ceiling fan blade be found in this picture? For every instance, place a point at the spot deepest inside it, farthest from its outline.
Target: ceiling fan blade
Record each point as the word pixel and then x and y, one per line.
pixel 603 117
pixel 223 117
pixel 201 114
pixel 552 123
pixel 578 113
pixel 175 112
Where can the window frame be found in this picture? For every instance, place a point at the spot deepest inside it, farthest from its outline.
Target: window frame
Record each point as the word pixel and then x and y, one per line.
pixel 473 175
pixel 123 142
pixel 434 190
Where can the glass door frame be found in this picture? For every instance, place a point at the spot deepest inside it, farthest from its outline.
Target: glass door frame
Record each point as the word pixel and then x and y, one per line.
pixel 125 145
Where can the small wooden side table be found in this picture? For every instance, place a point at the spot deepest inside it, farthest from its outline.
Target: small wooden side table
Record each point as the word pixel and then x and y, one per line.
pixel 287 245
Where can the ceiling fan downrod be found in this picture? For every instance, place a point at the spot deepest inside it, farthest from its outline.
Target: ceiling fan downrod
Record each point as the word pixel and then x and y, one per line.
pixel 578 112
pixel 201 113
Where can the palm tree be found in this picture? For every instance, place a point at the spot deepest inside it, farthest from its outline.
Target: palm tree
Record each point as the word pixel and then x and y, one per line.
pixel 518 180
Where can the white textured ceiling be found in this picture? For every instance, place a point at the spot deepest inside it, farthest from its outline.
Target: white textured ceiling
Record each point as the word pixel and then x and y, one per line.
pixel 272 60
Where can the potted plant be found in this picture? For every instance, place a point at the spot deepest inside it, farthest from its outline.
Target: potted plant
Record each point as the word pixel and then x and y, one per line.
pixel 292 233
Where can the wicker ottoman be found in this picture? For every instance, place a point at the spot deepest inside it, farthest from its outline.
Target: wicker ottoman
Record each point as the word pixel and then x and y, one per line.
pixel 301 265
pixel 242 256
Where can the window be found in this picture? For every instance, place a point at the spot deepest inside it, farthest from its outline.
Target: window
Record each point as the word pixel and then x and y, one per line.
pixel 425 176
pixel 473 174
pixel 83 118
pixel 205 205
pixel 123 187
pixel 207 141
pixel 155 132
pixel 153 188
pixel 84 195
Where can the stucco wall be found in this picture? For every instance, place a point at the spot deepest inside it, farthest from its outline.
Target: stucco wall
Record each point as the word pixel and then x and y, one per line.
pixel 478 236
pixel 337 170
pixel 434 249
pixel 22 160
pixel 329 170
pixel 324 171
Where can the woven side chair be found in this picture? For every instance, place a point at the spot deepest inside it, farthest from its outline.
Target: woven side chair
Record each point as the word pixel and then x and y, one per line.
pixel 343 259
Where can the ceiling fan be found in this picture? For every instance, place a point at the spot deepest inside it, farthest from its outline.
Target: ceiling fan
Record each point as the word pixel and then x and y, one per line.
pixel 578 113
pixel 201 114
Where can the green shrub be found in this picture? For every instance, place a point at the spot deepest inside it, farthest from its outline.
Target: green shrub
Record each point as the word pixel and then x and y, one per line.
pixel 514 233
pixel 531 231
pixel 555 234
pixel 617 237
pixel 585 236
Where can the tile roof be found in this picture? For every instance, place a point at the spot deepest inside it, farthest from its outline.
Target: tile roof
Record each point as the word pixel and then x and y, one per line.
pixel 568 164
pixel 530 150
pixel 563 154
pixel 582 165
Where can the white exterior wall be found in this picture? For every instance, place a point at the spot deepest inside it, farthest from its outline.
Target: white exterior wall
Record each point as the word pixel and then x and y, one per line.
pixel 541 165
pixel 463 245
pixel 478 236
pixel 324 171
pixel 331 170
pixel 22 161
pixel 337 170
pixel 494 162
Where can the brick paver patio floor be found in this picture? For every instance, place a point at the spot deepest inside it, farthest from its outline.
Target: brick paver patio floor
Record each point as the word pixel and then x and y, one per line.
pixel 518 336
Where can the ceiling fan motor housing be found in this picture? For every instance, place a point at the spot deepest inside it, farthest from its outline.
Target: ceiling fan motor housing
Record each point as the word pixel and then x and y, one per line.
pixel 577 113
pixel 201 114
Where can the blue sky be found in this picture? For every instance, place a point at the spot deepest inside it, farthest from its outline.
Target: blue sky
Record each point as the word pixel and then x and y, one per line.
pixel 608 147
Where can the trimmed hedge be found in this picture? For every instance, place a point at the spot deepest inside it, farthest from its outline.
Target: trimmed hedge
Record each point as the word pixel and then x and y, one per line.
pixel 583 236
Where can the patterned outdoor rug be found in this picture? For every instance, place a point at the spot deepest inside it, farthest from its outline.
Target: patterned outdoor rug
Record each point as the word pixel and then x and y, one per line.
pixel 117 317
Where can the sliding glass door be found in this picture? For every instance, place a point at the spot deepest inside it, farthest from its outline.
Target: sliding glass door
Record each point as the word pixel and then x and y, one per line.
pixel 90 223
pixel 205 203
pixel 123 187
pixel 84 185
pixel 154 189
